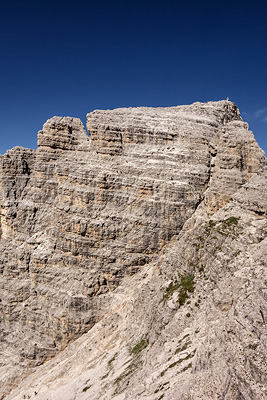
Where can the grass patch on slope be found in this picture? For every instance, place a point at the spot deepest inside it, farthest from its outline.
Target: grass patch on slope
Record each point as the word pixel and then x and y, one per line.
pixel 134 364
pixel 184 286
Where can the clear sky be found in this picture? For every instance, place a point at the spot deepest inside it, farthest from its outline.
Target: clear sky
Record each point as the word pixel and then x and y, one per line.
pixel 68 58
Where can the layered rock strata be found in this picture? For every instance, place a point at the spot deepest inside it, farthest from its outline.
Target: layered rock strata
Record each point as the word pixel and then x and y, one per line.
pixel 82 214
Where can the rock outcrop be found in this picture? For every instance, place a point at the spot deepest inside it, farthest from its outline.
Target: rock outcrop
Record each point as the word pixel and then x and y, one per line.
pixel 135 258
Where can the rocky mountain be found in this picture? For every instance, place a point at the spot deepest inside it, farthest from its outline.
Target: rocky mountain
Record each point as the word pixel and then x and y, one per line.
pixel 133 259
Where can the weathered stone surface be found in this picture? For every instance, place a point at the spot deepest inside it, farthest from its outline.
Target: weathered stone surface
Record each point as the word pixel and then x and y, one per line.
pixel 95 230
pixel 63 133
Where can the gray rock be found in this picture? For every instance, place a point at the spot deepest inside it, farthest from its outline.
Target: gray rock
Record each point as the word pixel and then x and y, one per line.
pixel 133 261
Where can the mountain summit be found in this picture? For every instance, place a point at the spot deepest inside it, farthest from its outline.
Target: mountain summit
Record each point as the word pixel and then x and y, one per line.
pixel 133 259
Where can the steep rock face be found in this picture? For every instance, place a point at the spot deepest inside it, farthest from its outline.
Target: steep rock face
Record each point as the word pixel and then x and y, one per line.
pixel 190 325
pixel 81 213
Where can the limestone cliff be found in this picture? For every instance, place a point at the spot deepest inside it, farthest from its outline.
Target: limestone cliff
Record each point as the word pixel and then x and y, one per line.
pixel 146 239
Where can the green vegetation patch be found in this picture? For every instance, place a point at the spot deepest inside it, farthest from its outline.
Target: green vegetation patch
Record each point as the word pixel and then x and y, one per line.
pixel 129 370
pixel 184 286
pixel 214 233
pixel 180 341
pixel 222 225
pixel 174 364
pixel 134 363
pixel 211 223
pixel 186 368
pixel 112 359
pixel 110 366
pixel 184 347
pixel 86 388
pixel 161 387
pixel 181 360
pixel 173 286
pixel 139 347
pixel 230 221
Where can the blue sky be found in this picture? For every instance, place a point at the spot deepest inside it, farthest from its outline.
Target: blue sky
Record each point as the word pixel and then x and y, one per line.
pixel 68 58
